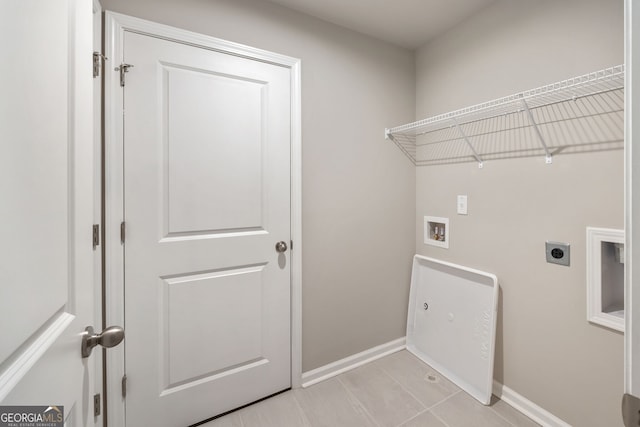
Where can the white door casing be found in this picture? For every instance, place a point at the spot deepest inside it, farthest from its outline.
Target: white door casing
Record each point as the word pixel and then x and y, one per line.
pixel 97 208
pixel 46 214
pixel 189 241
pixel 632 197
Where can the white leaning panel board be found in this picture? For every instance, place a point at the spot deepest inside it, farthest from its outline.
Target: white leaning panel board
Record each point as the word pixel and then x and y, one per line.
pixel 455 331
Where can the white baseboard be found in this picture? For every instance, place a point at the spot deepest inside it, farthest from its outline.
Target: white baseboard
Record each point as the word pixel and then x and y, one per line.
pixel 527 407
pixel 348 363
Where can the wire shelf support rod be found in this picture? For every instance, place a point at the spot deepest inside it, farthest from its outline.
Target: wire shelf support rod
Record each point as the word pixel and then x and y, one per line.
pixel 473 150
pixel 548 158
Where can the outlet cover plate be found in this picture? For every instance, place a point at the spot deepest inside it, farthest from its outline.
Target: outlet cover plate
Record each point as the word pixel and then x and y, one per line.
pixel 558 253
pixel 462 205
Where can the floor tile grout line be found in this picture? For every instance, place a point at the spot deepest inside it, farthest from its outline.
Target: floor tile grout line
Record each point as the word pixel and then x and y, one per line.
pixel 440 419
pixel 500 415
pixel 444 400
pixel 403 388
pixel 242 424
pixel 412 418
pixel 302 411
pixel 505 418
pixel 353 395
pixel 428 408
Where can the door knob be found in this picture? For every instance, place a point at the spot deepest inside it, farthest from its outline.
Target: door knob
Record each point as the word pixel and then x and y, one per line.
pixel 110 337
pixel 281 246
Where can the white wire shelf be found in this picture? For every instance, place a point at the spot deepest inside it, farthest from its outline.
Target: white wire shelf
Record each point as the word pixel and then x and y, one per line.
pixel 583 113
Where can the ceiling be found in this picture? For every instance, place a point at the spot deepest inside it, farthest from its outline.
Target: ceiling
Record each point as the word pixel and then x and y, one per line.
pixel 406 23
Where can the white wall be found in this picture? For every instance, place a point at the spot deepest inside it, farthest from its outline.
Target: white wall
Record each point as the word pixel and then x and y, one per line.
pixel 358 189
pixel 546 349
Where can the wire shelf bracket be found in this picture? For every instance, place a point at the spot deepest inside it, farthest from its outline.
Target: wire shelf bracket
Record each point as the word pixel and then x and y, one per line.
pixel 466 139
pixel 389 135
pixel 548 158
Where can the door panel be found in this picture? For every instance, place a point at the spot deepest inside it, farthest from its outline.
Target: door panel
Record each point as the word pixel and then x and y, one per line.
pixel 206 198
pixel 46 187
pixel 214 133
pixel 27 182
pixel 230 321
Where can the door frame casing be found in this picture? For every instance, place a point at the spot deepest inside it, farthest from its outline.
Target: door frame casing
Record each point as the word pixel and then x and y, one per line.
pixel 97 210
pixel 115 27
pixel 632 197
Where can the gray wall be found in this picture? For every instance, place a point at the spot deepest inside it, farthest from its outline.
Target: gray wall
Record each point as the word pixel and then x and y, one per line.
pixel 358 189
pixel 546 349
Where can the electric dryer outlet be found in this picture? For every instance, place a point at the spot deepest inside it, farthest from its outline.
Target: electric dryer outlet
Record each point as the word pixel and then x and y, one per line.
pixel 558 253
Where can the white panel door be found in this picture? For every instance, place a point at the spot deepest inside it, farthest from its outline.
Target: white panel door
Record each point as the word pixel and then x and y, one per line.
pixel 46 208
pixel 206 199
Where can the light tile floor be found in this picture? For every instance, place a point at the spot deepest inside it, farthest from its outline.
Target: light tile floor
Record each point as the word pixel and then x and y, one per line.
pixel 397 390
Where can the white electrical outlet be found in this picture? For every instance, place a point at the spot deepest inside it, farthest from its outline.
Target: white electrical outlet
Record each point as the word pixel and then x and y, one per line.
pixel 462 205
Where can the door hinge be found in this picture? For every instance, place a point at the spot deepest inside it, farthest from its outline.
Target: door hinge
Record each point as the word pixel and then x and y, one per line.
pixel 123 68
pixel 124 385
pixel 122 232
pixel 291 245
pixel 96 236
pixel 96 405
pixel 98 61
